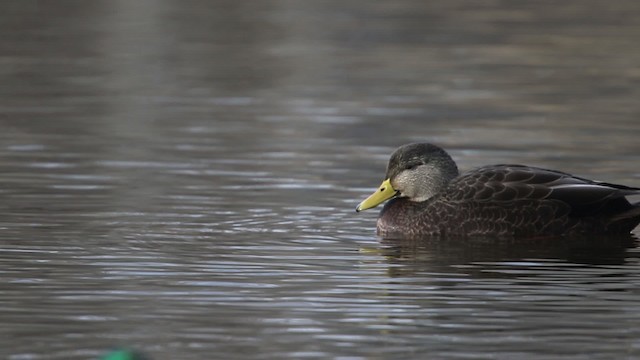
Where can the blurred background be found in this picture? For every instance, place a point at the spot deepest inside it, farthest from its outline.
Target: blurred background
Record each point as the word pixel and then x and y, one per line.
pixel 180 176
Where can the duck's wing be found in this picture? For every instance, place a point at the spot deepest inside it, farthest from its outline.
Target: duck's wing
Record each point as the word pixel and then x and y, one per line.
pixel 499 183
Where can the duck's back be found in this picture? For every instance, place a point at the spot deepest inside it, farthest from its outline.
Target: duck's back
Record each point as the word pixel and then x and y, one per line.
pixel 514 200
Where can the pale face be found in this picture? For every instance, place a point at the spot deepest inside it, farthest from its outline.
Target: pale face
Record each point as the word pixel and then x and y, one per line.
pixel 420 183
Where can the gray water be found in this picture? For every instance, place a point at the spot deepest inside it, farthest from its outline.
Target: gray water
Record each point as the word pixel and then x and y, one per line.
pixel 180 177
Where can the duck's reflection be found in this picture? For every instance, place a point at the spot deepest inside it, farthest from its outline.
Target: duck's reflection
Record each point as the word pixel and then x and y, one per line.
pixel 475 256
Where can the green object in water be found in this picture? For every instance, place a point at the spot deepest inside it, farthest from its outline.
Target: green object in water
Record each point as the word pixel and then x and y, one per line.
pixel 123 354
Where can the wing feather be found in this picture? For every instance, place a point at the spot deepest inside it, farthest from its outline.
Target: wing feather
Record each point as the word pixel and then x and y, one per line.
pixel 500 183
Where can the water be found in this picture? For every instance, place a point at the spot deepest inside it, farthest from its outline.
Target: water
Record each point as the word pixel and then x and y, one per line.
pixel 182 179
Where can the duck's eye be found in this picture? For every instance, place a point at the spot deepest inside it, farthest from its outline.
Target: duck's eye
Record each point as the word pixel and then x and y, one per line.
pixel 411 167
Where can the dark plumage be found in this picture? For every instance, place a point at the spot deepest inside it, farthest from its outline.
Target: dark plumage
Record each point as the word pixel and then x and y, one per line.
pixel 429 198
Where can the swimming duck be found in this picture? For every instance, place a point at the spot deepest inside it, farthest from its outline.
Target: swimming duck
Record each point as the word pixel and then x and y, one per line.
pixel 428 197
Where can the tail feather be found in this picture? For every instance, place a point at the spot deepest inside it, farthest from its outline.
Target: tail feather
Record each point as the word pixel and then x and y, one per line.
pixel 625 221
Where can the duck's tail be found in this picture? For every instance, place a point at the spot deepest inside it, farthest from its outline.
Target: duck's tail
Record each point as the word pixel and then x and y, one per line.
pixel 624 222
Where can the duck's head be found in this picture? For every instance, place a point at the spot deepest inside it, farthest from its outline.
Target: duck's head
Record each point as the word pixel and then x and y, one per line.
pixel 415 171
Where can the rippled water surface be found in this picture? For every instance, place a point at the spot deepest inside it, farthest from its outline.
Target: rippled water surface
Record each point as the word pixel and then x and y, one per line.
pixel 180 178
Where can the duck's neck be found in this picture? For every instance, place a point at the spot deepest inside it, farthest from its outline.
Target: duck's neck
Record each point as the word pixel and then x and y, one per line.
pixel 401 217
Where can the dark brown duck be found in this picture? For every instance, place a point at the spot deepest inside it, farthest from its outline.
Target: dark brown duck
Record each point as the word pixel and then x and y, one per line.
pixel 428 197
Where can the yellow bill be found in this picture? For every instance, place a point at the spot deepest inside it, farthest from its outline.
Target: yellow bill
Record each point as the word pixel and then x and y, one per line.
pixel 384 192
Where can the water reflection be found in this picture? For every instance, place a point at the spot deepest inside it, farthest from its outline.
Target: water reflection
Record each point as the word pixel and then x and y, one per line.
pixel 470 256
pixel 181 179
pixel 579 250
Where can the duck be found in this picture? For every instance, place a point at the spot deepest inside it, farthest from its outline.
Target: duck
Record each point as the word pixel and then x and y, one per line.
pixel 426 196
